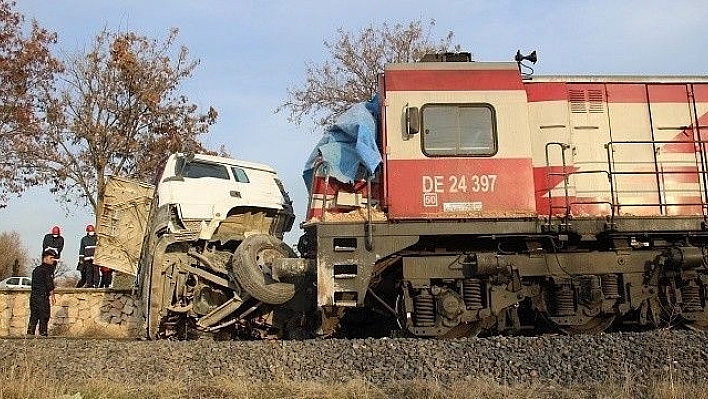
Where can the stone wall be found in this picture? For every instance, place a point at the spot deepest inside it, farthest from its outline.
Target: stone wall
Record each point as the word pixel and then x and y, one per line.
pixel 78 312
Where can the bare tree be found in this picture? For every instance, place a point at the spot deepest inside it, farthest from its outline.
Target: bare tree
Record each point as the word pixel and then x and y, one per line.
pixel 356 59
pixel 119 112
pixel 15 260
pixel 27 72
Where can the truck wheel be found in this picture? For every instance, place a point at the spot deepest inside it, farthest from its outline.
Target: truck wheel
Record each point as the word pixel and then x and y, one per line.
pixel 251 266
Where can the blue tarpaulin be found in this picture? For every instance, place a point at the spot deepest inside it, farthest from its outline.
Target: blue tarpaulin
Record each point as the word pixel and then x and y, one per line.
pixel 349 147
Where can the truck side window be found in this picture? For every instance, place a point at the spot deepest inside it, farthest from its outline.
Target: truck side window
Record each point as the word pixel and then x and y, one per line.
pixel 459 130
pixel 239 174
pixel 203 169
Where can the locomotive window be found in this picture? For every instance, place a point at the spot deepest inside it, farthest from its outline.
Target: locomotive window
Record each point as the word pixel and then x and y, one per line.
pixel 203 169
pixel 459 130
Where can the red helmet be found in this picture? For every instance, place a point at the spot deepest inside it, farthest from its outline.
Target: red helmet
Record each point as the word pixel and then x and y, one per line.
pixel 56 230
pixel 89 228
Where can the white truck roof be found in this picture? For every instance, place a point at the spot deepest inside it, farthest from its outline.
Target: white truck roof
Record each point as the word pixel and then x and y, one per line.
pixel 235 162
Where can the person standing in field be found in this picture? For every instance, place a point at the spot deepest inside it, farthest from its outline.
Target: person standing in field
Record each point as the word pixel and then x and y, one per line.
pixel 42 294
pixel 86 252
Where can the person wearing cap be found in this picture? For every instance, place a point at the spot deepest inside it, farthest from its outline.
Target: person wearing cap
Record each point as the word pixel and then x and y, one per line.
pixel 53 240
pixel 42 294
pixel 86 251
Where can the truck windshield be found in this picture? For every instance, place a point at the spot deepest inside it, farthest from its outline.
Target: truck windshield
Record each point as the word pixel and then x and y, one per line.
pixel 198 169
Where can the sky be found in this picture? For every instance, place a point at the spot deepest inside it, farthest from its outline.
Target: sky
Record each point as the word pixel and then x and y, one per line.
pixel 251 52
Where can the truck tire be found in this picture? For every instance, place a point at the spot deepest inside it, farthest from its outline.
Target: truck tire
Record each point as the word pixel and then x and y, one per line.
pixel 251 268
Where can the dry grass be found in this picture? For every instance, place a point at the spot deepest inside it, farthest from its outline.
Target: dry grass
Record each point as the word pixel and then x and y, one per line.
pixel 22 376
pixel 22 381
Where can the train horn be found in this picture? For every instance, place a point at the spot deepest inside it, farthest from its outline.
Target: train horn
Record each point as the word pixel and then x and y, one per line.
pixel 531 57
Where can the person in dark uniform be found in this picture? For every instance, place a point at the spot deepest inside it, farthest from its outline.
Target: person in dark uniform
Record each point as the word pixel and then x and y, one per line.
pixel 53 240
pixel 81 266
pixel 106 277
pixel 42 293
pixel 82 281
pixel 86 251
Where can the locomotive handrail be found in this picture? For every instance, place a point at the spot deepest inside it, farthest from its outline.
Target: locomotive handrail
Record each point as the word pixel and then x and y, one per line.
pixel 697 126
pixel 319 163
pixel 614 204
pixel 580 172
pixel 369 242
pixel 563 147
pixel 701 170
pixel 324 195
pixel 663 172
pixel 656 142
pixel 565 173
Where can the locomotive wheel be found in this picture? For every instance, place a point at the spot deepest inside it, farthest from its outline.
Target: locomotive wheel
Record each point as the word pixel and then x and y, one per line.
pixel 462 330
pixel 251 266
pixel 595 325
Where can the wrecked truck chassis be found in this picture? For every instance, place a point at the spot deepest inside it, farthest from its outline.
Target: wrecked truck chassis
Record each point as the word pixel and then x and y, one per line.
pixel 235 293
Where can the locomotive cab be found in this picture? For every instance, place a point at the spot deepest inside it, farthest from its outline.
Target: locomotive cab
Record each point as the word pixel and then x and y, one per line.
pixel 470 155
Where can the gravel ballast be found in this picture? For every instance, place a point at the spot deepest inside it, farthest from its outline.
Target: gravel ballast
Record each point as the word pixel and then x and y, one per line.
pixel 560 360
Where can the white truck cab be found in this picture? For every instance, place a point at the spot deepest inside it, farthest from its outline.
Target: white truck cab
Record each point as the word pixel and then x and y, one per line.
pixel 200 192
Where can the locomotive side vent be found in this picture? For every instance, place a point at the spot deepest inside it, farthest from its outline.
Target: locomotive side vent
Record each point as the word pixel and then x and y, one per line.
pixel 586 101
pixel 345 298
pixel 595 100
pixel 345 270
pixel 344 244
pixel 577 101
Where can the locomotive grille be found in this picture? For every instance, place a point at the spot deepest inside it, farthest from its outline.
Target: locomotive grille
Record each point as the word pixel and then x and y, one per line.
pixel 586 101
pixel 595 102
pixel 577 101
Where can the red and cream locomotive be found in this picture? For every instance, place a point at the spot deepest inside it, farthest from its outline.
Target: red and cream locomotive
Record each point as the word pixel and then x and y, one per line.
pixel 505 201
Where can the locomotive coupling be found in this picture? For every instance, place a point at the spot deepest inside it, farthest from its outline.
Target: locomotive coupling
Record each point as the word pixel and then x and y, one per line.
pixel 293 267
pixel 685 257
